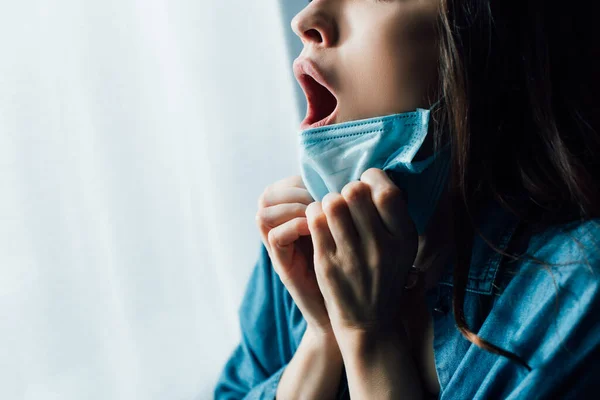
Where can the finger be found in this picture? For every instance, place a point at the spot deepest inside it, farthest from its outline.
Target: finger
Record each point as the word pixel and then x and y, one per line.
pixel 323 242
pixel 286 183
pixel 364 214
pixel 287 233
pixel 273 216
pixel 389 202
pixel 270 218
pixel 340 222
pixel 290 181
pixel 274 195
pixel 281 240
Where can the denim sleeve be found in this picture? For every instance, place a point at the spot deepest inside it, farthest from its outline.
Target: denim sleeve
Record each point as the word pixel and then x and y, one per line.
pixel 560 319
pixel 255 366
pixel 565 353
pixel 549 314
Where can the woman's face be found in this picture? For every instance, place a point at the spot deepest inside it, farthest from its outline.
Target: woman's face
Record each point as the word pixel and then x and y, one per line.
pixel 378 57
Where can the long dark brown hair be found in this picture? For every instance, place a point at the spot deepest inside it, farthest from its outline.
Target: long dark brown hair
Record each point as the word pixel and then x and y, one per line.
pixel 520 80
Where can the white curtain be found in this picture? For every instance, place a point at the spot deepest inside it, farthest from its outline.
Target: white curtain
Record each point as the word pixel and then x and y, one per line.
pixel 135 139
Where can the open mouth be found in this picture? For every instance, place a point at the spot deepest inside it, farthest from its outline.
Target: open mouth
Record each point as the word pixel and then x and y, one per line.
pixel 322 104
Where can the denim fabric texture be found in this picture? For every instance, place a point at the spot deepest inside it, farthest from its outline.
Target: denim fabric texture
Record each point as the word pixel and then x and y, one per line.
pixel 547 313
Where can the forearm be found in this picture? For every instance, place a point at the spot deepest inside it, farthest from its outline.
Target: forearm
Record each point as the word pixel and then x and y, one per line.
pixel 315 370
pixel 380 367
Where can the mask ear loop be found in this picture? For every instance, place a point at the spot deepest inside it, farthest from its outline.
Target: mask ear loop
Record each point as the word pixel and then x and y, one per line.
pixel 436 103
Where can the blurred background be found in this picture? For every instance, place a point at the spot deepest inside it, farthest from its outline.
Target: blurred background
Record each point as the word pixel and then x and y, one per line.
pixel 135 139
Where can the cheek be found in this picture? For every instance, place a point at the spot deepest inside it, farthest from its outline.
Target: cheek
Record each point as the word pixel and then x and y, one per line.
pixel 396 68
pixel 387 61
pixel 388 76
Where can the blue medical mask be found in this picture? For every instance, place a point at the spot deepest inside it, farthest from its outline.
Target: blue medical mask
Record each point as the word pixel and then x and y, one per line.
pixel 334 155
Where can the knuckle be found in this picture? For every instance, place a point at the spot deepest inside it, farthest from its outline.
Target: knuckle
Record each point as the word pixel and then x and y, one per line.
pixel 264 218
pixel 348 256
pixel 262 199
pixel 298 223
pixel 312 210
pixel 349 265
pixel 319 222
pixel 261 217
pixel 355 190
pixel 329 198
pixel 374 259
pixel 316 218
pixel 326 268
pixel 333 203
pixel 371 173
pixel 387 194
pixel 272 237
pixel 352 273
pixel 299 209
pixel 293 224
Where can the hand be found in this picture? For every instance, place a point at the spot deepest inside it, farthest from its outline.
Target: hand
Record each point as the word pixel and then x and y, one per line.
pixel 284 231
pixel 364 244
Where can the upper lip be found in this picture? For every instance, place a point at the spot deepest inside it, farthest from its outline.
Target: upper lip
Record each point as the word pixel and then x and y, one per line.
pixel 314 116
pixel 306 66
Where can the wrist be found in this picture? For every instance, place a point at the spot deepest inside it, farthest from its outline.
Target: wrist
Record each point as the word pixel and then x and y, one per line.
pixel 322 339
pixel 315 369
pixel 361 344
pixel 379 365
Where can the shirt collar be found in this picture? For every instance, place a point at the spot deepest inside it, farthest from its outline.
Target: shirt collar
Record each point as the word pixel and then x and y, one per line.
pixel 498 226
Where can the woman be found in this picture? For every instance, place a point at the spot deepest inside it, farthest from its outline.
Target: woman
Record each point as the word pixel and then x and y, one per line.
pixel 496 294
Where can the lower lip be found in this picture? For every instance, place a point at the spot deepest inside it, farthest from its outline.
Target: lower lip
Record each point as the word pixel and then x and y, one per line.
pixel 328 120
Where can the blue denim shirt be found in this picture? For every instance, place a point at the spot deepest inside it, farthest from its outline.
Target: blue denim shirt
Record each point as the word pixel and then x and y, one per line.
pixel 547 314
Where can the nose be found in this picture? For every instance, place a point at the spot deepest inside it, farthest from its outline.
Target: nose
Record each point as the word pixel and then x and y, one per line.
pixel 314 26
